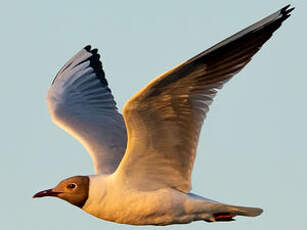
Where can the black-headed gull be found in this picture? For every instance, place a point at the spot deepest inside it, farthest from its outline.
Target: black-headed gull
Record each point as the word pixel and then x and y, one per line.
pixel 149 182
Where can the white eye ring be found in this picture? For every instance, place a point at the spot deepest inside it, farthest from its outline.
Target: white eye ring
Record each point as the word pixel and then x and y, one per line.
pixel 72 186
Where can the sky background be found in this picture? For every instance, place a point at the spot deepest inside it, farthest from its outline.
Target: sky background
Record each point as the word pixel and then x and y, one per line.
pixel 252 150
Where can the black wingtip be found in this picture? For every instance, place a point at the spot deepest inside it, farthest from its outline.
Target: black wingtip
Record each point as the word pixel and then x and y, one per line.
pixel 87 48
pixel 94 51
pixel 290 10
pixel 286 7
pixel 96 64
pixel 285 11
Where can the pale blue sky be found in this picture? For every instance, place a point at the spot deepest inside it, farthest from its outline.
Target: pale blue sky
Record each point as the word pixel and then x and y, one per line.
pixel 252 150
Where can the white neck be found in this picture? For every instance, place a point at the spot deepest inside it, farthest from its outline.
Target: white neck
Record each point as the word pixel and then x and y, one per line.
pixel 97 191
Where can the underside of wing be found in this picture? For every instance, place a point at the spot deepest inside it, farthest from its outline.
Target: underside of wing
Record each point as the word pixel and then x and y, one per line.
pixel 164 119
pixel 81 103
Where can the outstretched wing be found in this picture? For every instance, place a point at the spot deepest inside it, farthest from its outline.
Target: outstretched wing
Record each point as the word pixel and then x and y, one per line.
pixel 164 119
pixel 81 103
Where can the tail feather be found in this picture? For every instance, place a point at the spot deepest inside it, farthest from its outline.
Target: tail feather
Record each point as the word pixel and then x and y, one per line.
pixel 225 212
pixel 211 210
pixel 245 211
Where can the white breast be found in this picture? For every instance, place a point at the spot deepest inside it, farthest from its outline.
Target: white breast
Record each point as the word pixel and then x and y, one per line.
pixel 115 202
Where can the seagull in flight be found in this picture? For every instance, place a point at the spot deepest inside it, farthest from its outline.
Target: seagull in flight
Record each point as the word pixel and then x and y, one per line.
pixel 143 158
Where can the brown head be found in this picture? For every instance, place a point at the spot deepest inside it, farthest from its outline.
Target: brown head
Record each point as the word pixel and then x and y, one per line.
pixel 73 189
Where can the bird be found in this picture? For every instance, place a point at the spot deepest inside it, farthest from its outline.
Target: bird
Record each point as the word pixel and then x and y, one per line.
pixel 143 158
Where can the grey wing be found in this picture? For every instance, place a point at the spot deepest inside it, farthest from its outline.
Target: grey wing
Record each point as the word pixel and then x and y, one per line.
pixel 164 119
pixel 81 103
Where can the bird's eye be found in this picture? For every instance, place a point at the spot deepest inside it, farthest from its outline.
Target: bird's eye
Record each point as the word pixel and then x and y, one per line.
pixel 71 186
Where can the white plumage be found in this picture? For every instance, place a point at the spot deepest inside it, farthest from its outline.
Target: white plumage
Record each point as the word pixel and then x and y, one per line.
pixel 143 160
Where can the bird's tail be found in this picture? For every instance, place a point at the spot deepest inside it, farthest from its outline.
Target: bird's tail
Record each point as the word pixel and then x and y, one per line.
pixel 223 212
pixel 212 211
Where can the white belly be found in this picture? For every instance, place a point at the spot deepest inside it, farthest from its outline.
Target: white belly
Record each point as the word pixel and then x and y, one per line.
pixel 127 206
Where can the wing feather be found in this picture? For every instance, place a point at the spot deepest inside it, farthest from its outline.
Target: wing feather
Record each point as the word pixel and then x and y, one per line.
pixel 164 119
pixel 81 103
